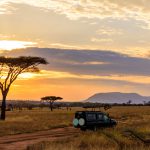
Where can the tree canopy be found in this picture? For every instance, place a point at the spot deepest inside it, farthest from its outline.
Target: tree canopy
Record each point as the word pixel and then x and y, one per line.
pixel 10 68
pixel 51 100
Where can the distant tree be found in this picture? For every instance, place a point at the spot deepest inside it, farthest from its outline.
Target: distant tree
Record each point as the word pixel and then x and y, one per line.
pixel 42 105
pixel 10 107
pixel 129 102
pixel 107 106
pixel 10 69
pixel 51 100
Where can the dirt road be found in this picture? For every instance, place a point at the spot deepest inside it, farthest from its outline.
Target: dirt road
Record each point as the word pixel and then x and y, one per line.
pixel 21 141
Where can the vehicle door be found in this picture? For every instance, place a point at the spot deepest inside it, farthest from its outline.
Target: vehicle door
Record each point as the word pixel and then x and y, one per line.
pixel 106 120
pixel 100 119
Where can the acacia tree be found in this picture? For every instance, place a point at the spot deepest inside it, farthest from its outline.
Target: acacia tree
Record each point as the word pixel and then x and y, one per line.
pixel 10 69
pixel 51 100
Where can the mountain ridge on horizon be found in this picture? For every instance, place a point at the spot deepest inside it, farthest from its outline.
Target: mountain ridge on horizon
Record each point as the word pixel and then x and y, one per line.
pixel 117 97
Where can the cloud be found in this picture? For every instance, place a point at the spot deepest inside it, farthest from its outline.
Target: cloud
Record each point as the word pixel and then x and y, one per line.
pixel 136 9
pixel 52 74
pixel 88 62
pixel 5 8
pixel 101 40
pixel 2 36
pixel 60 45
pixel 12 44
pixel 107 31
pixel 42 25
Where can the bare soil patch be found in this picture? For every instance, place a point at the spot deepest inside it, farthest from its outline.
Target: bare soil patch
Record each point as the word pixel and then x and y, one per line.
pixel 21 141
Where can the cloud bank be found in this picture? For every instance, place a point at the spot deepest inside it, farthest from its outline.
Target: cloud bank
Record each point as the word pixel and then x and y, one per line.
pixel 88 62
pixel 137 9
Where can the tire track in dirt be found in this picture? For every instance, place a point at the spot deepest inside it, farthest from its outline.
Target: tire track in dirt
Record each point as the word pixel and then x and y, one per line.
pixel 138 137
pixel 21 141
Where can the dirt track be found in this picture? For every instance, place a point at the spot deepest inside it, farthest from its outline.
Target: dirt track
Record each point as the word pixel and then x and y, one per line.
pixel 21 141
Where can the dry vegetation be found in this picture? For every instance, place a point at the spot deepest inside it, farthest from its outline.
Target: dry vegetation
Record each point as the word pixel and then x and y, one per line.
pixel 131 133
pixel 34 120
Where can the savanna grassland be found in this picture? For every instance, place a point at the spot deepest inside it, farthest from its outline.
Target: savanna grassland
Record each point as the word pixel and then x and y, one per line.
pixel 131 133
pixel 27 121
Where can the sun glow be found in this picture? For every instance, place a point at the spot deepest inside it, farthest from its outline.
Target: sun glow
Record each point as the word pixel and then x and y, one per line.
pixel 27 75
pixel 9 45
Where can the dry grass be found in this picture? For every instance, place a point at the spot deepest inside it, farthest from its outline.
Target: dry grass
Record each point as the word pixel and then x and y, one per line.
pixel 130 118
pixel 101 140
pixel 34 120
pixel 134 119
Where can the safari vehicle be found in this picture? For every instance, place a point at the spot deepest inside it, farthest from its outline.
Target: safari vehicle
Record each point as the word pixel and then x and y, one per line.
pixel 92 120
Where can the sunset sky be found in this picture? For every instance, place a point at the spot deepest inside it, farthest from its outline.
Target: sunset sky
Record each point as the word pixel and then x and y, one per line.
pixel 92 46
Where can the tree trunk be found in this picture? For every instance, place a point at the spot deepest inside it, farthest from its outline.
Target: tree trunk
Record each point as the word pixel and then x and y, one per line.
pixel 51 106
pixel 3 107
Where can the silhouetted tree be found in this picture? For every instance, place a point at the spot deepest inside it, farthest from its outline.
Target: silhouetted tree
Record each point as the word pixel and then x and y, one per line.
pixel 10 69
pixel 107 106
pixel 51 100
pixel 129 102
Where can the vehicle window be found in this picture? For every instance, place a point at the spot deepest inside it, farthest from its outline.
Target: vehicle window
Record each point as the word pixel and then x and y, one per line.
pixel 105 118
pixel 91 117
pixel 100 117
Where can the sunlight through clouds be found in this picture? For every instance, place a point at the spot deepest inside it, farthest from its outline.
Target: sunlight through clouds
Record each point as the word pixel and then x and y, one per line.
pixel 9 45
pixel 44 74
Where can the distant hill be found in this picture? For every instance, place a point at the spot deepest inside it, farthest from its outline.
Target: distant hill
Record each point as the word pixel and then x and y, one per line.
pixel 117 97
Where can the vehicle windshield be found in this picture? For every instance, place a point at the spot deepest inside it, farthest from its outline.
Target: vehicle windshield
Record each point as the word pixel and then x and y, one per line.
pixel 105 118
